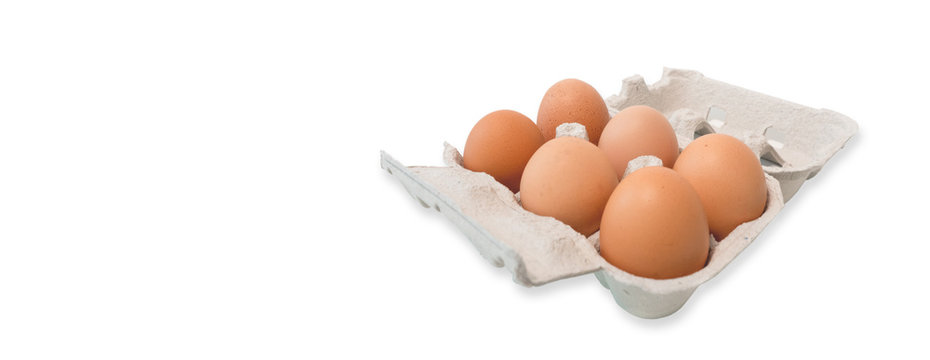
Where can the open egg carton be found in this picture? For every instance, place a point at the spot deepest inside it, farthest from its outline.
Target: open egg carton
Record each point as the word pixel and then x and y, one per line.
pixel 792 141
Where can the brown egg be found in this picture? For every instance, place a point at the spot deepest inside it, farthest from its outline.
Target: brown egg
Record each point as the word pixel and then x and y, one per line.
pixel 728 177
pixel 500 145
pixel 569 179
pixel 654 226
pixel 572 100
pixel 635 131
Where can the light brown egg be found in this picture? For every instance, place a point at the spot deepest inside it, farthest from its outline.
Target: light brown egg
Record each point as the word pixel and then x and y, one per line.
pixel 572 100
pixel 501 144
pixel 654 226
pixel 635 131
pixel 569 179
pixel 728 177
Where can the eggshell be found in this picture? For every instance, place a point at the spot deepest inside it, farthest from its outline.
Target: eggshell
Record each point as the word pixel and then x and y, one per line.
pixel 569 179
pixel 728 177
pixel 572 100
pixel 636 131
pixel 501 144
pixel 654 226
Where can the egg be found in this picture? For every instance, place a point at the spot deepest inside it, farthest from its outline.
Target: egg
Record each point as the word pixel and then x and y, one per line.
pixel 569 179
pixel 728 177
pixel 654 225
pixel 572 100
pixel 501 144
pixel 635 131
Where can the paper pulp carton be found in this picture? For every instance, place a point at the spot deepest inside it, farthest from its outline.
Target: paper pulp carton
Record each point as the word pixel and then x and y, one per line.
pixel 793 143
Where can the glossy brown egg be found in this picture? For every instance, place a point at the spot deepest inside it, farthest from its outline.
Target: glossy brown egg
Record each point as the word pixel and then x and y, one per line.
pixel 572 100
pixel 654 226
pixel 636 131
pixel 569 179
pixel 728 177
pixel 501 144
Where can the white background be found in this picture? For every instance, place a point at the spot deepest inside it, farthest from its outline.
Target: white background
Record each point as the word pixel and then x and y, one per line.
pixel 196 179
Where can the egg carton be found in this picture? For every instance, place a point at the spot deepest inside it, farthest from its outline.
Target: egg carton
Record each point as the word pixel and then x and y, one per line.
pixel 792 141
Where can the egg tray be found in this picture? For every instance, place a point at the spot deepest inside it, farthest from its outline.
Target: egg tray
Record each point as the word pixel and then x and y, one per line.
pixel 792 141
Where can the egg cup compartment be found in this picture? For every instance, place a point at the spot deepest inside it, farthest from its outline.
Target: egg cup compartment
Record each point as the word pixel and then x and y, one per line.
pixel 538 250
